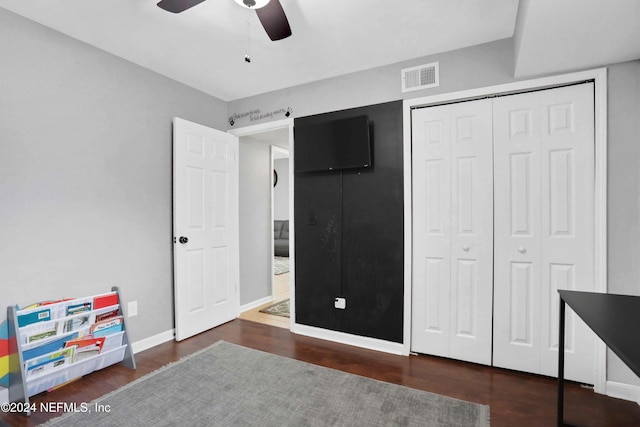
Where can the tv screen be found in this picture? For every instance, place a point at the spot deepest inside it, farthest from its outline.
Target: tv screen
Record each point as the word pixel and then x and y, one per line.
pixel 332 145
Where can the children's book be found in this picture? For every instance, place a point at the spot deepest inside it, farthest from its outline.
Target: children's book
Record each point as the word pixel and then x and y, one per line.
pixel 77 322
pixel 108 315
pixel 105 301
pixel 107 327
pixel 86 347
pixel 47 362
pixel 41 335
pixel 78 308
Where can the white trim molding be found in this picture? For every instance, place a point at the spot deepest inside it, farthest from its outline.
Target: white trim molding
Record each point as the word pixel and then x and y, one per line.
pixel 147 343
pixel 623 391
pixel 599 77
pixel 262 127
pixel 256 303
pixel 408 225
pixel 349 339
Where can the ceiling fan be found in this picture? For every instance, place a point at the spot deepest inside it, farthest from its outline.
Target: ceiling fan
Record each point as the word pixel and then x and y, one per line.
pixel 270 14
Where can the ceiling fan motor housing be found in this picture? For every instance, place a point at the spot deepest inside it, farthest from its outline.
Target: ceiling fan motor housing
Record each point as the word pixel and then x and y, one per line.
pixel 252 4
pixel 270 13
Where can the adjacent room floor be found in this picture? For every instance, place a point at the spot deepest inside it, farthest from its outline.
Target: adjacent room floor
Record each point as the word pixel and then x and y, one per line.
pixel 281 284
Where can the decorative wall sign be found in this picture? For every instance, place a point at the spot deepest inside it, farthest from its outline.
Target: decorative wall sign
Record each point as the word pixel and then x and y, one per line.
pixel 257 114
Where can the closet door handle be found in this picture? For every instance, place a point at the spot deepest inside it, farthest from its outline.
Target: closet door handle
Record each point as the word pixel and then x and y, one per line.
pixel 465 248
pixel 522 249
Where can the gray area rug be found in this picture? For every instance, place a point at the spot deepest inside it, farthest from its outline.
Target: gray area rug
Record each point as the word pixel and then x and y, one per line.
pixel 280 265
pixel 229 385
pixel 278 309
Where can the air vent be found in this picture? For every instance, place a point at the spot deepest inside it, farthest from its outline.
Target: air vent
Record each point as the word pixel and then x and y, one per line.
pixel 420 77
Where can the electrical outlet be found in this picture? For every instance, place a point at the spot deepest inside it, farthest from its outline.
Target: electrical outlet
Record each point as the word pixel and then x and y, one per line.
pixel 340 303
pixel 132 309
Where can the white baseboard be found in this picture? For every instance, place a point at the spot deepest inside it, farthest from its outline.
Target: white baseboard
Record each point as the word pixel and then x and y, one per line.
pixel 623 391
pixel 153 341
pixel 255 304
pixel 349 339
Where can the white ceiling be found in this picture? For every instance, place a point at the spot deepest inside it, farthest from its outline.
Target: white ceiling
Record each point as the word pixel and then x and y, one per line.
pixel 204 47
pixel 554 36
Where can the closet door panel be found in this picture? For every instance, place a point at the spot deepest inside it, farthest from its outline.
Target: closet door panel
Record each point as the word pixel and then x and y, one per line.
pixel 452 176
pixel 471 231
pixel 568 240
pixel 516 126
pixel 544 210
pixel 431 228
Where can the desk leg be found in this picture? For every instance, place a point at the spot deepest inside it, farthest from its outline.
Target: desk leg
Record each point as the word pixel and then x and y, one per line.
pixel 561 364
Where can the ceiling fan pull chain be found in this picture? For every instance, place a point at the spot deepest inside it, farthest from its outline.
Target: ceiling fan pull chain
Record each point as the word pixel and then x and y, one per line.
pixel 247 56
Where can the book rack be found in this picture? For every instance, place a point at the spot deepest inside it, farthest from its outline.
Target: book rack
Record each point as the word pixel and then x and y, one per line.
pixel 56 343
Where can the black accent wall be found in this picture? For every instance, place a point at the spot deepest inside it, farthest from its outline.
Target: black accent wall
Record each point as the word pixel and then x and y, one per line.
pixel 352 244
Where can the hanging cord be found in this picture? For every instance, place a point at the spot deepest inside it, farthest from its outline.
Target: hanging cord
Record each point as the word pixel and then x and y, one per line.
pixel 340 258
pixel 247 56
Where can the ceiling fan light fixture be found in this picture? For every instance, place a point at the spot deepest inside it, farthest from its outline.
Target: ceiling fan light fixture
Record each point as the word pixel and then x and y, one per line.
pixel 252 4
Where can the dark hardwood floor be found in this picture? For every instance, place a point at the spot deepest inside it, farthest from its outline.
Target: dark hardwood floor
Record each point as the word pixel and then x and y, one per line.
pixel 516 399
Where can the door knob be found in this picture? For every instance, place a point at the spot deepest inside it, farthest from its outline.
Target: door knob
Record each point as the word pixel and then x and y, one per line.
pixel 465 248
pixel 522 249
pixel 183 240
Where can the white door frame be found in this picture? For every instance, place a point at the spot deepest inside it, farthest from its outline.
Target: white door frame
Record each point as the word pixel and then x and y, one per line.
pixel 273 149
pixel 265 127
pixel 599 76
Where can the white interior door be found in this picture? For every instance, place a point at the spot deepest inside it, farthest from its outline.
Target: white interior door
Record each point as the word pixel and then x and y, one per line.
pixel 453 231
pixel 205 196
pixel 544 227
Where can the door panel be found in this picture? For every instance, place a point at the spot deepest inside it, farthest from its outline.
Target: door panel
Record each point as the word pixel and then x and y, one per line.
pixel 568 224
pixel 472 231
pixel 452 296
pixel 205 212
pixel 432 154
pixel 517 235
pixel 544 222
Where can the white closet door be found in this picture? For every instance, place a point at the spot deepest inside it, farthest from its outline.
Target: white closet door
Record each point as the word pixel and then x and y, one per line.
pixel 453 219
pixel 544 227
pixel 431 157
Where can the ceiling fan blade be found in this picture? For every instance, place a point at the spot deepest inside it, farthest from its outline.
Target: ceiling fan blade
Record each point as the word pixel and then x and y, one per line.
pixel 274 20
pixel 177 6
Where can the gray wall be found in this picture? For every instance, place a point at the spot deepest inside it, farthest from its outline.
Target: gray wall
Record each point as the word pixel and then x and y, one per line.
pixel 255 220
pixel 85 162
pixel 492 64
pixel 281 190
pixel 478 66
pixel 85 172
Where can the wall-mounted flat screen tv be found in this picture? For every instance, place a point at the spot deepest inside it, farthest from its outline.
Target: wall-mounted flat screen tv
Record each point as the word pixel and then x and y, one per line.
pixel 332 145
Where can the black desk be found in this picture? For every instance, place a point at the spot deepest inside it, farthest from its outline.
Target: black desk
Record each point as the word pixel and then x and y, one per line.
pixel 614 318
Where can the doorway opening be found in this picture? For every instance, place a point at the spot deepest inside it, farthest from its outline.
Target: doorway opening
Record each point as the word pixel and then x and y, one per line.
pixel 266 232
